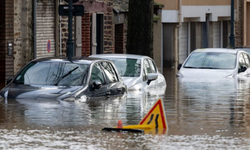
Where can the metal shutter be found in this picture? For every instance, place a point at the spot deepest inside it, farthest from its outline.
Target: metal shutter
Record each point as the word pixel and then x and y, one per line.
pixel 45 28
pixel 216 35
pixel 183 42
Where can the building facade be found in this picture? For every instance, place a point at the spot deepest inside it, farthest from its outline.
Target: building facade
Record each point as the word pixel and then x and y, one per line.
pixel 33 29
pixel 191 24
pixel 245 9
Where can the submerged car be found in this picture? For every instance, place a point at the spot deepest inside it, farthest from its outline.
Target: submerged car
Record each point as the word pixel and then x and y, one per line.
pixel 215 62
pixel 57 78
pixel 137 71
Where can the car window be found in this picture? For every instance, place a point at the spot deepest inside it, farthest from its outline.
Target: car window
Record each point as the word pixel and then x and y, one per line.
pixel 110 72
pixel 152 65
pixel 97 75
pixel 147 66
pixel 145 72
pixel 128 67
pixel 241 60
pixel 52 73
pixel 246 57
pixel 211 60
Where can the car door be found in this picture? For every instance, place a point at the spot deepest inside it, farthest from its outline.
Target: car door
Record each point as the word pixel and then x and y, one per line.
pixel 115 84
pixel 97 77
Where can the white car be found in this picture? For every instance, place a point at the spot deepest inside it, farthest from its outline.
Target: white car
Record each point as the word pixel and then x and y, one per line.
pixel 215 63
pixel 137 71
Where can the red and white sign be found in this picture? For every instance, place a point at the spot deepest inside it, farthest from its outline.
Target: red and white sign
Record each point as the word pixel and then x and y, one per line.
pixel 48 46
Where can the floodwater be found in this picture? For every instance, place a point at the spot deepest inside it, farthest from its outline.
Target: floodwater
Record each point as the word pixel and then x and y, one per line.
pixel 201 114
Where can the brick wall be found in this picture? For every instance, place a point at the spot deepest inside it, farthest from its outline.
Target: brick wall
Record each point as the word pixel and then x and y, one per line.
pixel 86 37
pixel 108 31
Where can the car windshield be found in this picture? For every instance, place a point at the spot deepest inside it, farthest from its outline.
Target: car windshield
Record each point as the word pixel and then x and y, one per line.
pixel 211 60
pixel 52 73
pixel 128 67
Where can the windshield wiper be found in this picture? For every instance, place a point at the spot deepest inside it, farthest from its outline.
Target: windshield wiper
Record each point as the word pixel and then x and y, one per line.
pixel 203 67
pixel 66 75
pixel 192 67
pixel 209 68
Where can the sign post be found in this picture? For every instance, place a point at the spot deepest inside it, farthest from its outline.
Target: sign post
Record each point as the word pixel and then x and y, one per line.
pixel 70 11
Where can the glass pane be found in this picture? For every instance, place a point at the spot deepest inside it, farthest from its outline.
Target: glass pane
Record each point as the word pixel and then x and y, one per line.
pixel 153 66
pixel 211 60
pixel 47 73
pixel 109 71
pixel 97 74
pixel 128 67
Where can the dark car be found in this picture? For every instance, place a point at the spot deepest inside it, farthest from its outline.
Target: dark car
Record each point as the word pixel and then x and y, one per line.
pixel 59 79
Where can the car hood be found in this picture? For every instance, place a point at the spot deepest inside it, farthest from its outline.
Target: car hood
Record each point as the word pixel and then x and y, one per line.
pixel 20 91
pixel 205 73
pixel 131 81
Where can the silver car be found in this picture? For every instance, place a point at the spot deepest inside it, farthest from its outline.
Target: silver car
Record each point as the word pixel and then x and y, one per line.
pixel 214 63
pixel 137 71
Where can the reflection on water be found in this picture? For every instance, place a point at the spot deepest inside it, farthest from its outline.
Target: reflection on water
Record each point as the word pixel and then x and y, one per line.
pixel 201 114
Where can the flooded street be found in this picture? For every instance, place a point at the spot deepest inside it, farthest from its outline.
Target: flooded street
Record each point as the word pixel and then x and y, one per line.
pixel 201 114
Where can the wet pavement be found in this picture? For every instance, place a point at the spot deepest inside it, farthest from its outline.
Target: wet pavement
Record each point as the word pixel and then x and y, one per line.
pixel 201 114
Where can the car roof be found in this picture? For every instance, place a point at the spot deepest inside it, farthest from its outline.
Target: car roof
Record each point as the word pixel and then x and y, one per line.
pixel 84 60
pixel 220 50
pixel 132 56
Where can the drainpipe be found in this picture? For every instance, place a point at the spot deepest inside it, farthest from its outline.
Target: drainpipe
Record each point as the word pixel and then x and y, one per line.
pixel 232 37
pixel 34 28
pixel 57 19
pixel 176 40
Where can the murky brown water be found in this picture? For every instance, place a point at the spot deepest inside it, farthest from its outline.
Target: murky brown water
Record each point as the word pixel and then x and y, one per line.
pixel 201 114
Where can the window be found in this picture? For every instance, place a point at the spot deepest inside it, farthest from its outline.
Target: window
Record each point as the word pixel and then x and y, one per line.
pixel 241 61
pixel 97 75
pixel 128 67
pixel 147 66
pixel 153 66
pixel 110 72
pixel 246 57
pixel 211 60
pixel 52 73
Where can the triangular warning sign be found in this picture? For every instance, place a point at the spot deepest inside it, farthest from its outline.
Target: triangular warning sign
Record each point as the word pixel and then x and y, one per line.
pixel 156 116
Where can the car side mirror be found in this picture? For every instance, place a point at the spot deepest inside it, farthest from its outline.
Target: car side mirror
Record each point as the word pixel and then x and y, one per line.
pixel 151 77
pixel 97 84
pixel 179 66
pixel 242 69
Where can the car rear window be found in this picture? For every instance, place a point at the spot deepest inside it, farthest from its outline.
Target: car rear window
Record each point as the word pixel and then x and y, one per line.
pixel 52 73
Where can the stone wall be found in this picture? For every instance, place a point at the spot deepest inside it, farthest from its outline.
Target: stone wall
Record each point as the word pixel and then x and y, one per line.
pixel 108 28
pixel 23 44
